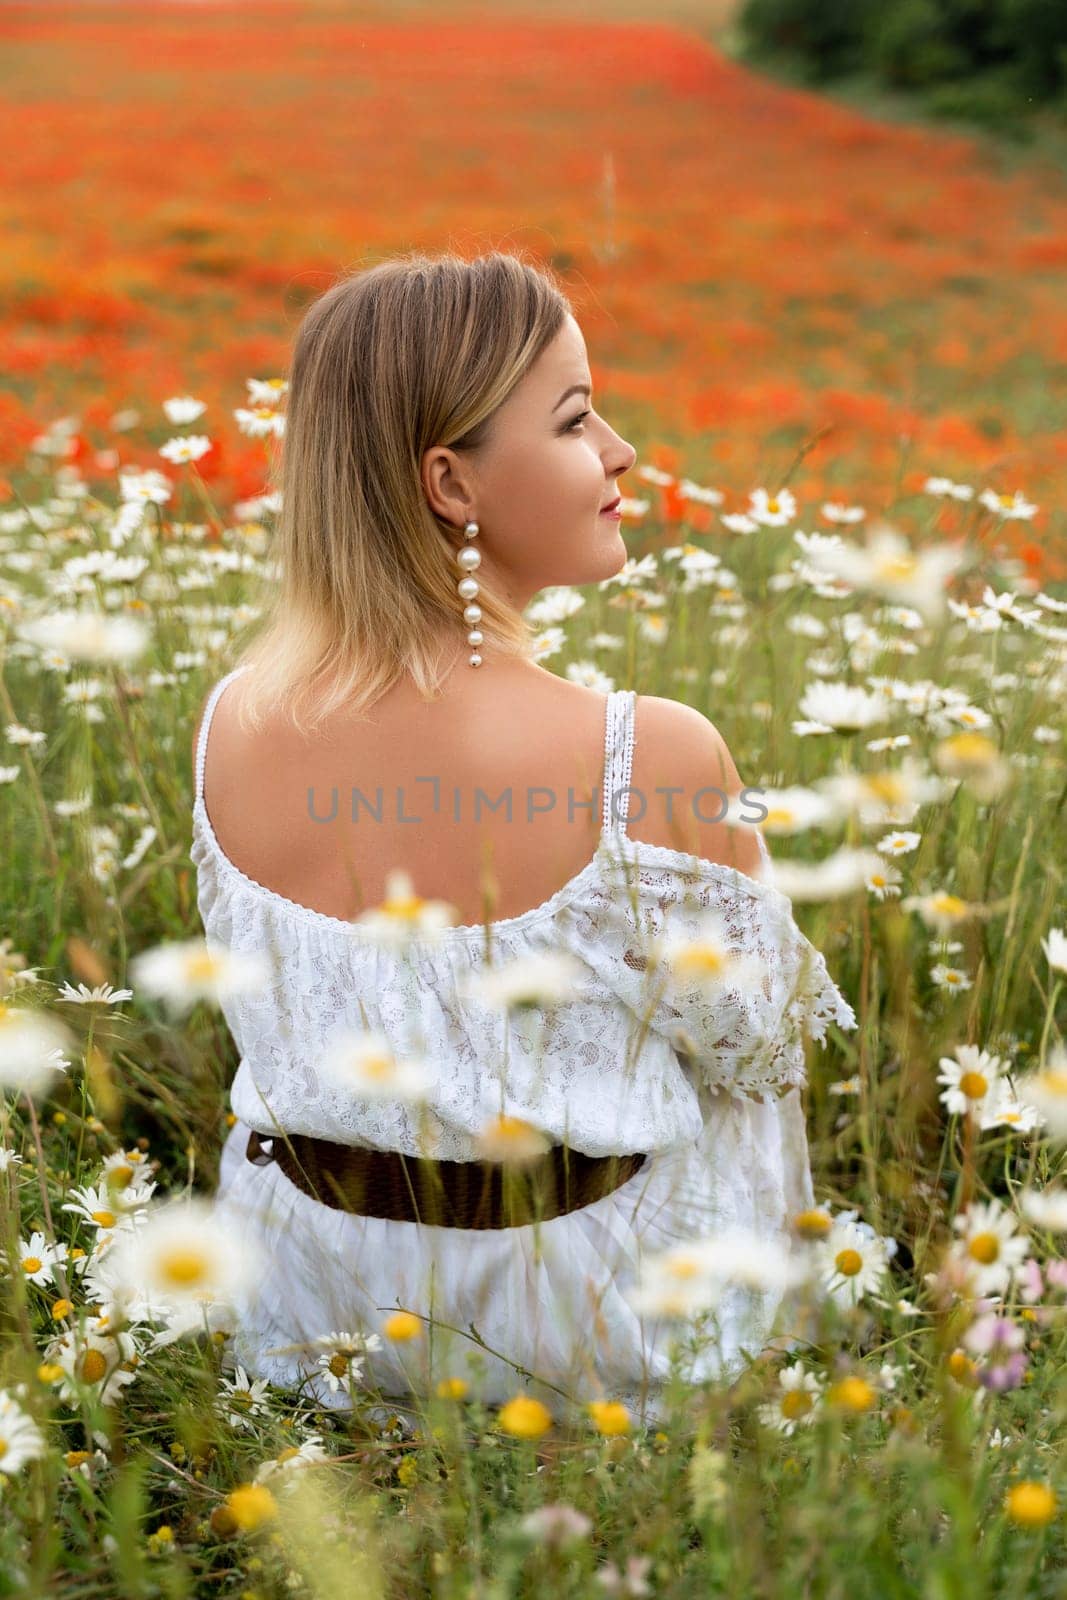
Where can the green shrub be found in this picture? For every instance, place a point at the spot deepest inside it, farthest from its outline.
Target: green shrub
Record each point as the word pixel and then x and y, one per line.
pixel 988 59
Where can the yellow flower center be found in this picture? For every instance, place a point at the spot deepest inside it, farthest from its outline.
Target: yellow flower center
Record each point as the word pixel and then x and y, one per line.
pixel 1006 499
pixel 704 960
pixel 984 1247
pixel 378 1066
pixel 772 506
pixel 973 1085
pixel 32 1263
pixel 897 569
pixel 812 1224
pixel 182 1266
pixel 106 1219
pixel 685 1267
pixel 848 1263
pixel 948 905
pixel 885 786
pixel 779 814
pixel 92 1366
pixel 202 966
pixel 1053 1082
pixel 971 747
pixel 796 1403
pixel 405 907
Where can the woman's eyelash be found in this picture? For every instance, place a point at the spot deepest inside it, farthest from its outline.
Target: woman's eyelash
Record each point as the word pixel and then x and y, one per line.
pixel 575 420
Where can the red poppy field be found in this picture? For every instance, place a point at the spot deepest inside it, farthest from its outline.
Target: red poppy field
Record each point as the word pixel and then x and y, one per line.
pixel 751 264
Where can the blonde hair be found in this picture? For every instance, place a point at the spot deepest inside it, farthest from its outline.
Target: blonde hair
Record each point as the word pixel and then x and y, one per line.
pixel 415 351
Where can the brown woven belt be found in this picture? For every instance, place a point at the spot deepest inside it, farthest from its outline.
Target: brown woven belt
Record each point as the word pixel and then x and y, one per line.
pixel 452 1194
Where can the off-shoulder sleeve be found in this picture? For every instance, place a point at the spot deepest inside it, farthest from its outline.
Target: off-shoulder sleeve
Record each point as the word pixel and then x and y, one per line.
pixel 743 1027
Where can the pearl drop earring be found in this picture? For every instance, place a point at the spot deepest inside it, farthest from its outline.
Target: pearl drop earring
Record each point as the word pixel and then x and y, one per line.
pixel 468 559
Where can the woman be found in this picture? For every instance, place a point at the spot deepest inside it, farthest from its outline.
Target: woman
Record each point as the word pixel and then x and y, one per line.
pixel 406 1139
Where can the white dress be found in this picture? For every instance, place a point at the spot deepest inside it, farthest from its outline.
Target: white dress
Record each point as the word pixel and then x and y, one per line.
pixel 710 1087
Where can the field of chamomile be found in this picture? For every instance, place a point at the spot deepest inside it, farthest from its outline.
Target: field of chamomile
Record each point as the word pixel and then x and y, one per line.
pixel 839 348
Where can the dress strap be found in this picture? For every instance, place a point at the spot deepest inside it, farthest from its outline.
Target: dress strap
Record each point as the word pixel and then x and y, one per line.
pixel 205 724
pixel 618 760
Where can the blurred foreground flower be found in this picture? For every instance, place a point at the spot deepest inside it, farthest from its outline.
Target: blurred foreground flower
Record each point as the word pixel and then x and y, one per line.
pixel 888 566
pixel 88 636
pixel 544 978
pixel 841 873
pixel 189 970
pixel 403 916
pixel 183 1254
pixel 20 1438
pixel 32 1045
pixel 365 1064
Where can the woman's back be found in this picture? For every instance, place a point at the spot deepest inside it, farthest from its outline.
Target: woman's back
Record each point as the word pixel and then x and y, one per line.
pixel 499 780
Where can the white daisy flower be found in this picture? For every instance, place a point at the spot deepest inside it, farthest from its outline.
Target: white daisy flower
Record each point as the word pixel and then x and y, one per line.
pixel 343 1354
pixel 1010 507
pixel 945 486
pixel 542 978
pixel 884 883
pixel 774 511
pixel 191 447
pixel 945 977
pixel 241 1398
pixel 144 487
pixel 695 491
pixel 188 970
pixel 1045 1207
pixel 282 1469
pixel 737 522
pixel 260 422
pixel 183 1254
pixel 1055 948
pixel 674 1283
pixel 21 1440
pixel 971 1079
pixel 1006 1110
pixel 741 1256
pixel 37 1257
pixel 853 1259
pixel 106 1208
pixel 88 636
pixel 704 957
pixel 1046 1091
pixel 94 1358
pixel 842 707
pixel 32 1046
pixel 363 1063
pixel 182 409
pixel 990 1248
pixel 833 512
pixel 796 1403
pixel 266 391
pixel 403 915
pixel 514 1141
pixel 841 873
pixel 791 810
pixel 102 994
pixel 887 565
pixel 940 910
pixel 898 844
